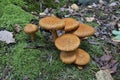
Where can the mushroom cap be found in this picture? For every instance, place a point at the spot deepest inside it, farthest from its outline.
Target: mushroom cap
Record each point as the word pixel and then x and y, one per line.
pixel 67 42
pixel 70 24
pixel 82 57
pixel 51 23
pixel 68 57
pixel 84 30
pixel 30 28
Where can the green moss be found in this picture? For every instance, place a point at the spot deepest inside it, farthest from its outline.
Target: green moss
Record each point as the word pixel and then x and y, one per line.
pixel 13 14
pixel 3 3
pixel 20 3
pixel 47 65
pixel 25 61
pixel 42 62
pixel 93 24
pixel 52 4
pixel 32 5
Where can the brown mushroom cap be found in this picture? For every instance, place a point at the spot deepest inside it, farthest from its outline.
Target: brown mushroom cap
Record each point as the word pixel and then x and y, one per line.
pixel 51 23
pixel 67 42
pixel 84 30
pixel 70 24
pixel 82 57
pixel 30 28
pixel 68 57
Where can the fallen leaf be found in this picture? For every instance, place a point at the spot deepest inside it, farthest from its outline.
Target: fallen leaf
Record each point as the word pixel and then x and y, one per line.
pixel 75 7
pixel 90 6
pixel 106 57
pixel 7 37
pixel 89 19
pixel 117 36
pixel 113 4
pixel 42 14
pixel 116 39
pixel 46 11
pixel 114 64
pixel 107 62
pixel 103 75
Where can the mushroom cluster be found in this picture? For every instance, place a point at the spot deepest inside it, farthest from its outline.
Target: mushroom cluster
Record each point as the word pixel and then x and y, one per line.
pixel 69 42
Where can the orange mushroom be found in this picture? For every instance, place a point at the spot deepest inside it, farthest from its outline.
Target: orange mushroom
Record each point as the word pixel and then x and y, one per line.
pixel 84 30
pixel 70 24
pixel 82 57
pixel 68 57
pixel 67 42
pixel 52 23
pixel 31 29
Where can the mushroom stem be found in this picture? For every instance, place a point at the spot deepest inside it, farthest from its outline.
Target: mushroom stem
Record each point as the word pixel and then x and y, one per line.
pixel 32 36
pixel 54 34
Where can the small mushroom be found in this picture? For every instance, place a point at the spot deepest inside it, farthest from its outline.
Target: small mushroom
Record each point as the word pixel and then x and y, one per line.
pixel 82 58
pixel 67 42
pixel 68 57
pixel 70 24
pixel 84 30
pixel 31 29
pixel 52 23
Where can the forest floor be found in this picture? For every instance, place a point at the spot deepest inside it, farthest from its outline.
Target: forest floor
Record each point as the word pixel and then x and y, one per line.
pixel 39 60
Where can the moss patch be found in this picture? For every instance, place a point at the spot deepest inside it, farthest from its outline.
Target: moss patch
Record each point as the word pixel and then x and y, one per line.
pixel 13 14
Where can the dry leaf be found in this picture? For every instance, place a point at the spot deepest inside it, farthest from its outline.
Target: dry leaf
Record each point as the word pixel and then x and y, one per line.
pixel 106 57
pixel 46 11
pixel 107 62
pixel 89 19
pixel 103 75
pixel 7 37
pixel 90 6
pixel 114 64
pixel 75 7
pixel 113 4
pixel 42 14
